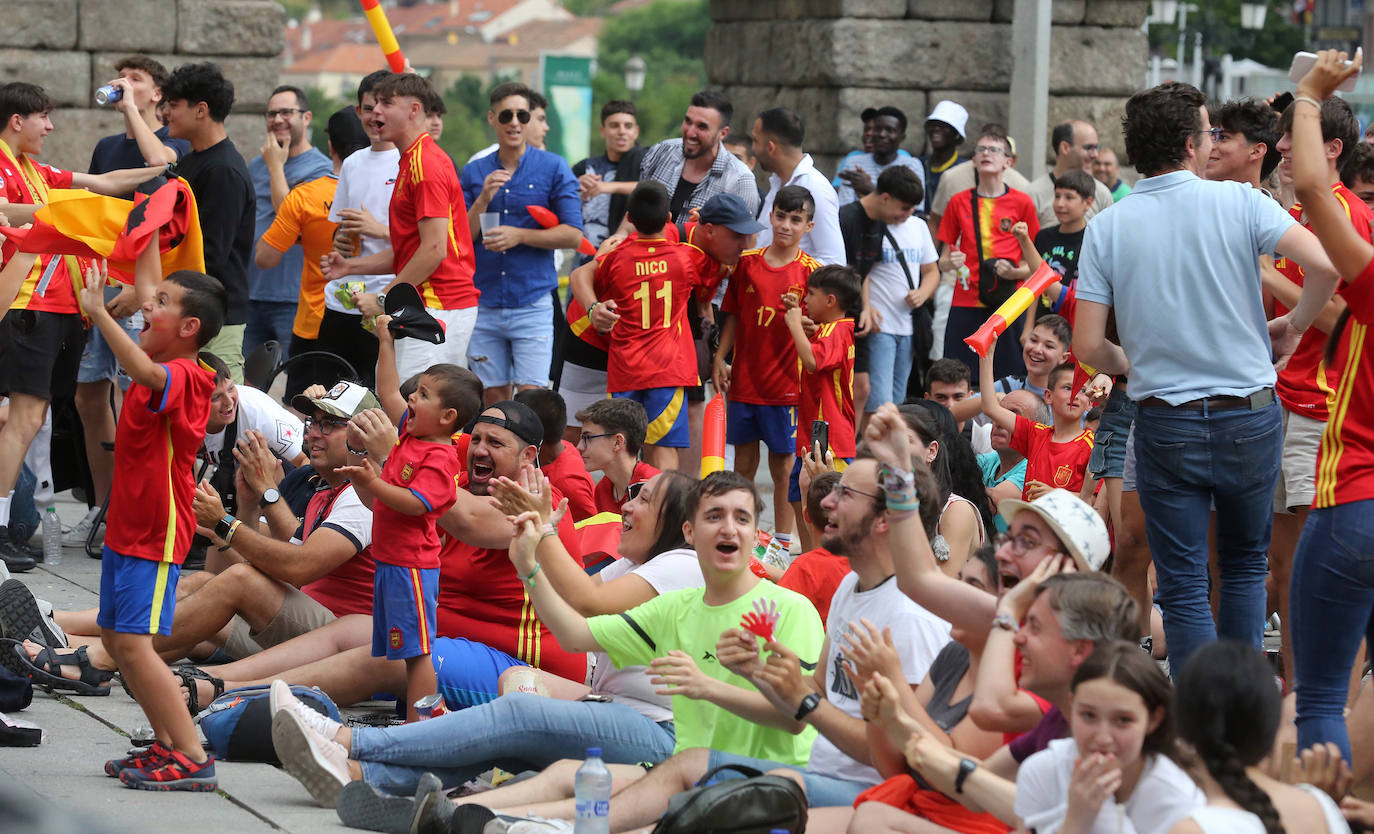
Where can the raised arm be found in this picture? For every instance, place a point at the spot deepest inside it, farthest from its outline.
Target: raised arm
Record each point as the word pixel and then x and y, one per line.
pixel 388 380
pixel 137 364
pixel 992 406
pixel 569 628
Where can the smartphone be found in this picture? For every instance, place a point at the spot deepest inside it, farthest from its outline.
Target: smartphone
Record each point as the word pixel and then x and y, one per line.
pixel 1303 61
pixel 820 433
pixel 1281 102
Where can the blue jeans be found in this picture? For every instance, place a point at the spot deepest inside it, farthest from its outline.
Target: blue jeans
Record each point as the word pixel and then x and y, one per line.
pixel 1186 460
pixel 822 791
pixel 269 321
pixel 1331 603
pixel 517 731
pixel 889 366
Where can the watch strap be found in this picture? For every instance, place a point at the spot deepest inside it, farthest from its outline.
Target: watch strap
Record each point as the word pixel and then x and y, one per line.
pixel 966 766
pixel 808 706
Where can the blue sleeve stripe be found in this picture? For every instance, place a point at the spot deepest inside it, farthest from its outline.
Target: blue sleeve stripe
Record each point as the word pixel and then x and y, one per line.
pixel 423 500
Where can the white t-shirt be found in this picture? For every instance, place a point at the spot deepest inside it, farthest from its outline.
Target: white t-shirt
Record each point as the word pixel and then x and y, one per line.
pixel 918 635
pixel 672 570
pixel 887 287
pixel 259 412
pixel 1164 795
pixel 366 180
pixel 349 517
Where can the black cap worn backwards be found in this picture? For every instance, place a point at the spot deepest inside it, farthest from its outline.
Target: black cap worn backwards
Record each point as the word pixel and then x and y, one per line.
pixel 519 419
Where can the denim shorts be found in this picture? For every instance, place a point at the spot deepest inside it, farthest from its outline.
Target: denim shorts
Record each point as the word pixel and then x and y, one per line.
pixel 1109 442
pixel 97 360
pixel 513 345
pixel 821 791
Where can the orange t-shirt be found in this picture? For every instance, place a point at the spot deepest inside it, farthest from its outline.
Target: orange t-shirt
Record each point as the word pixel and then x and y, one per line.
pixel 304 216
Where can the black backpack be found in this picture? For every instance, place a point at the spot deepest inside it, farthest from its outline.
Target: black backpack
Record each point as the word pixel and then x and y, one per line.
pixel 757 804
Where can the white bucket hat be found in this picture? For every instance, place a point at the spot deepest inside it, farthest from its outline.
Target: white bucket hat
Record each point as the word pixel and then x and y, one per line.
pixel 952 114
pixel 1080 529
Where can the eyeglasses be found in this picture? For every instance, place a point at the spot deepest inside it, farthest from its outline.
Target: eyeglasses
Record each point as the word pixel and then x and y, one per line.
pixel 587 438
pixel 288 112
pixel 990 150
pixel 1090 148
pixel 326 425
pixel 1020 544
pixel 505 116
pixel 632 491
pixel 1215 133
pixel 843 490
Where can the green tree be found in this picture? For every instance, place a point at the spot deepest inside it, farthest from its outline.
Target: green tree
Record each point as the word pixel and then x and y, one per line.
pixel 322 106
pixel 1219 23
pixel 465 123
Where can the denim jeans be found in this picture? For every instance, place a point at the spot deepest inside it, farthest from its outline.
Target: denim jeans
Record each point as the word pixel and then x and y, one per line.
pixel 517 731
pixel 1331 603
pixel 269 321
pixel 1185 461
pixel 822 790
pixel 889 365
pixel 513 345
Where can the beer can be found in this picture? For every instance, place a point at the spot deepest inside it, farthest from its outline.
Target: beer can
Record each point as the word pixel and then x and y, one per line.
pixel 430 706
pixel 108 94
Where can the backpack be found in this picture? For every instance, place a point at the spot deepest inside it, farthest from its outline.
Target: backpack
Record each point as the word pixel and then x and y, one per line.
pixel 757 803
pixel 238 724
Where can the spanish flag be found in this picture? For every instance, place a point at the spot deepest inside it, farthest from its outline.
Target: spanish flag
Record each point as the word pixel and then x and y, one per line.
pixel 88 225
pixel 581 326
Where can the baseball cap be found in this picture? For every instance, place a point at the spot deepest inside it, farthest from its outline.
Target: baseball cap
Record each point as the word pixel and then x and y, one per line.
pixel 951 113
pixel 729 210
pixel 345 399
pixel 1080 529
pixel 889 110
pixel 517 418
pixel 409 317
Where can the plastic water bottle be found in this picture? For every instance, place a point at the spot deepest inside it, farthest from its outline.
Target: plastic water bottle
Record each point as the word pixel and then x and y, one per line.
pixel 52 538
pixel 592 787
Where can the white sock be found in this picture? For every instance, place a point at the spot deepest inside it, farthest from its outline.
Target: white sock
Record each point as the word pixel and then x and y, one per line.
pixel 5 509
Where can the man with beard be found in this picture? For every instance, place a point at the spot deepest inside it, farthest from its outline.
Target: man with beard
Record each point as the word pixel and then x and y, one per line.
pixel 693 168
pixel 287 160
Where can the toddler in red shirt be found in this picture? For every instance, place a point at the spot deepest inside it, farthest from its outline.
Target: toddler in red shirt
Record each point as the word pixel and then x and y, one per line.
pixel 407 495
pixel 1056 457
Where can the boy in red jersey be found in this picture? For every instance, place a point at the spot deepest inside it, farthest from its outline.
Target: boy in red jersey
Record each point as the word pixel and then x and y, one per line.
pixel 612 435
pixel 559 459
pixel 150 522
pixel 816 573
pixel 762 388
pixel 1056 457
pixel 648 282
pixel 417 484
pixel 429 248
pixel 827 369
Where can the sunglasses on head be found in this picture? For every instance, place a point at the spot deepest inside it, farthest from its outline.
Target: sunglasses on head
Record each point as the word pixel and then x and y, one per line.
pixel 505 116
pixel 632 491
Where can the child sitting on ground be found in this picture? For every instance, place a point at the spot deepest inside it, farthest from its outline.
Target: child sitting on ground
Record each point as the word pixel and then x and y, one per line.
pixel 612 433
pixel 415 486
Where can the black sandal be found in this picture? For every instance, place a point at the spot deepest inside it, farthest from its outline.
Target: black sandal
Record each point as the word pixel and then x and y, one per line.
pixel 46 669
pixel 189 675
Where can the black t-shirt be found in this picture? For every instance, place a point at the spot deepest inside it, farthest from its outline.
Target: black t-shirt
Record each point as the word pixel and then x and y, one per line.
pixel 681 195
pixel 118 151
pixel 225 199
pixel 1060 250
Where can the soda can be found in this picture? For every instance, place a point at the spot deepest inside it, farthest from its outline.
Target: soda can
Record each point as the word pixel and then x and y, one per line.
pixel 430 706
pixel 108 94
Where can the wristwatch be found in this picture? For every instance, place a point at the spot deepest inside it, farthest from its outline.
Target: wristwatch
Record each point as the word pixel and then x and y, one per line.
pixel 270 497
pixel 222 526
pixel 381 300
pixel 808 706
pixel 966 766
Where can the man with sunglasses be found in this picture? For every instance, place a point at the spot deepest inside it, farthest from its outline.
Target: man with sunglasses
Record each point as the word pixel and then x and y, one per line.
pixel 512 343
pixel 1075 148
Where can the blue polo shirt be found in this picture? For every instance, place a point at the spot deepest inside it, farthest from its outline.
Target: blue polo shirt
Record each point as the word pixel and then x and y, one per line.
pixel 523 275
pixel 283 281
pixel 1189 249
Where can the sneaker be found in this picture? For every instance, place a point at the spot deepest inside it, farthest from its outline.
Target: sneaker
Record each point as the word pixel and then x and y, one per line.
pixel 76 536
pixel 137 757
pixel 539 825
pixel 363 806
pixel 15 555
pixel 174 773
pixel 432 808
pixel 318 763
pixel 470 819
pixel 21 617
pixel 281 698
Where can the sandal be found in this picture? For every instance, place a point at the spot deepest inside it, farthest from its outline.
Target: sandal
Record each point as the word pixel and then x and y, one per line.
pixel 189 675
pixel 46 669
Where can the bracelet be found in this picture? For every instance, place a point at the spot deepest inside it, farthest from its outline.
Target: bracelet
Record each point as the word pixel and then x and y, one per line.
pixel 1006 622
pixel 966 766
pixel 593 307
pixel 1309 100
pixel 233 528
pixel 547 533
pixel 362 453
pixel 529 580
pixel 903 515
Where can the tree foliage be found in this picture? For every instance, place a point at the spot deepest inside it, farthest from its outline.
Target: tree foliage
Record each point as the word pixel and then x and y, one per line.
pixel 1219 23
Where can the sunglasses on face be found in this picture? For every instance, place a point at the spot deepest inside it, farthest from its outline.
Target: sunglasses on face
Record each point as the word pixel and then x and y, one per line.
pixel 632 491
pixel 505 116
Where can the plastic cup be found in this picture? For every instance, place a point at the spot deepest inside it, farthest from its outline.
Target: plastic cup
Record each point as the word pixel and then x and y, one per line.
pixel 489 220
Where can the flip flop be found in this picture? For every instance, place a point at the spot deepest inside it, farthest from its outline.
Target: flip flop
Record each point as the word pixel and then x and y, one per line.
pixel 46 669
pixel 21 618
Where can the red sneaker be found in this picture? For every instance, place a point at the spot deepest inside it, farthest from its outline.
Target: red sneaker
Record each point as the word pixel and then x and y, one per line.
pixel 138 757
pixel 174 773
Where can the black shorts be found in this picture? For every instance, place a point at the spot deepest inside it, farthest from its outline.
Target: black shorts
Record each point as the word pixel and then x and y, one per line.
pixel 861 355
pixel 40 353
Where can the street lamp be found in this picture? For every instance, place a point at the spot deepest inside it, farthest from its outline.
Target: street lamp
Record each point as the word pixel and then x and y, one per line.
pixel 1163 11
pixel 635 69
pixel 1252 15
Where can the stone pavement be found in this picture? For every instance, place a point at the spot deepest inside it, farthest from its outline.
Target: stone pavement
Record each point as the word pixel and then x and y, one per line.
pixel 64 774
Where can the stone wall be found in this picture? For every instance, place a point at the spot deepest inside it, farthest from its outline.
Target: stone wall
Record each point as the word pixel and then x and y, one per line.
pixel 830 59
pixel 69 48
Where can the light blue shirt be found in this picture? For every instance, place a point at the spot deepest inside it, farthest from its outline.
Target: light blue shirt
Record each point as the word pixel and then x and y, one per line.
pixel 1179 262
pixel 283 281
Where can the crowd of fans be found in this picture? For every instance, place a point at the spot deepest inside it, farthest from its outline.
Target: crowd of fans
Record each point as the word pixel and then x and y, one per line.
pixel 1039 602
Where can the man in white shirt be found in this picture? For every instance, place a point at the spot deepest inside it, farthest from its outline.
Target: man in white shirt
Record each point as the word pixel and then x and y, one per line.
pixel 778 136
pixel 362 203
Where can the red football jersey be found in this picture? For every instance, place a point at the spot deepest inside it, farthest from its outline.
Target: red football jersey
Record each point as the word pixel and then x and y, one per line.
pixel 156 440
pixel 996 216
pixel 1345 464
pixel 652 282
pixel 482 599
pixel 427 186
pixel 606 501
pixel 58 293
pixel 1060 465
pixel 568 474
pixel 1304 384
pixel 348 588
pixel 815 575
pixel 765 370
pixel 430 471
pixel 828 392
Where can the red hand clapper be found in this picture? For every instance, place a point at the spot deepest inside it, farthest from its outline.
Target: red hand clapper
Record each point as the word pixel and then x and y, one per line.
pixel 762 619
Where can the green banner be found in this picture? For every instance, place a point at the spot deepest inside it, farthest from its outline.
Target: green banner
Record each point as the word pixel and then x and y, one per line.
pixel 568 86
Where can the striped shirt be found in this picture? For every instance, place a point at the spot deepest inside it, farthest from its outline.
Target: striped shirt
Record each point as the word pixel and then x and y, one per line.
pixel 664 162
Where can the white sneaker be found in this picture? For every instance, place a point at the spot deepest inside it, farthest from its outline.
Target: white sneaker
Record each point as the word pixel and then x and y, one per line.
pixel 538 825
pixel 281 698
pixel 318 763
pixel 76 536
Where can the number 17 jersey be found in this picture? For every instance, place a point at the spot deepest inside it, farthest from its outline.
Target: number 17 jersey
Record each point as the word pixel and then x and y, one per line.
pixel 652 281
pixel 765 370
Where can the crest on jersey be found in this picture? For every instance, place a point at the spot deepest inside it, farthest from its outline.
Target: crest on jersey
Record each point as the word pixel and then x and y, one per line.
pixel 395 638
pixel 406 472
pixel 1063 475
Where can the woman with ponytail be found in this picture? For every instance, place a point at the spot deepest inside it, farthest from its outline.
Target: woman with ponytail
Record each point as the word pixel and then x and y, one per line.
pixel 1113 775
pixel 1227 707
